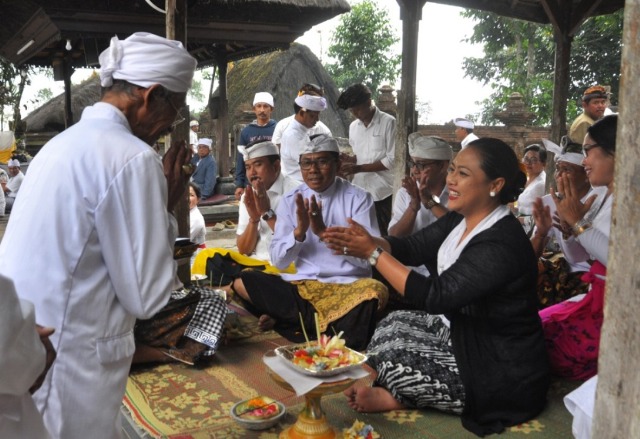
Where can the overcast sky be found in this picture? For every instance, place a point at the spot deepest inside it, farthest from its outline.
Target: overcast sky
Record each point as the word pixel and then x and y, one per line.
pixel 440 83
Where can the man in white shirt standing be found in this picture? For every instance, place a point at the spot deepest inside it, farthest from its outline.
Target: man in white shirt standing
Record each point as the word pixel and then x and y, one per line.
pixel 372 138
pixel 464 131
pixel 318 128
pixel 295 138
pixel 13 184
pixel 94 263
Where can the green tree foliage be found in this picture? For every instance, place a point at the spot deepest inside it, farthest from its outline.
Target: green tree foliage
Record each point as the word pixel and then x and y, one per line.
pixel 362 47
pixel 519 57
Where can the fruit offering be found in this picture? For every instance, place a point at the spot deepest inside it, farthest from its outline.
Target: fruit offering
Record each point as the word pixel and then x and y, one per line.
pixel 261 407
pixel 328 353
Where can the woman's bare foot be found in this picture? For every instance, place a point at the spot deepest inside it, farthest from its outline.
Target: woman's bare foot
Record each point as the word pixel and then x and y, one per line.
pixel 371 399
pixel 266 323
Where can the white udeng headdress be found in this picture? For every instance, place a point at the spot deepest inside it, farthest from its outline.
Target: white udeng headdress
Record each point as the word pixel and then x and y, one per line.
pixel 561 155
pixel 310 102
pixel 146 59
pixel 261 149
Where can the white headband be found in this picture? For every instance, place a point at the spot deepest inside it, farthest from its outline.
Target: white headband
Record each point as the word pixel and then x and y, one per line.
pixel 261 149
pixel 569 157
pixel 428 147
pixel 263 97
pixel 206 142
pixel 321 143
pixel 310 102
pixel 13 162
pixel 463 123
pixel 146 59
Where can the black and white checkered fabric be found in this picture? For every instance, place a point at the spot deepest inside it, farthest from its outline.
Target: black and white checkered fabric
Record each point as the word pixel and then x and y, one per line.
pixel 207 323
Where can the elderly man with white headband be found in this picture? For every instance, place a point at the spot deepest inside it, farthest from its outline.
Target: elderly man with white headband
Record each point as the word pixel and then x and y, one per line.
pixel 568 162
pixel 13 183
pixel 424 196
pixel 260 130
pixel 464 131
pixel 337 287
pixel 307 110
pixel 92 248
pixel 205 174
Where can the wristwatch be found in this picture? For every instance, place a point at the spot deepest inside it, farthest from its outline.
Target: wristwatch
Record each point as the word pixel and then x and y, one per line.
pixel 268 215
pixel 432 202
pixel 373 257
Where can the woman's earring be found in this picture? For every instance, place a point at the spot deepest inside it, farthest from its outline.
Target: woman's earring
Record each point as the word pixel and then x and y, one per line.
pixel 492 194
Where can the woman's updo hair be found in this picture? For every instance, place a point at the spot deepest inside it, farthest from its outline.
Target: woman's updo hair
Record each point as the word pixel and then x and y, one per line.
pixel 604 133
pixel 498 160
pixel 541 150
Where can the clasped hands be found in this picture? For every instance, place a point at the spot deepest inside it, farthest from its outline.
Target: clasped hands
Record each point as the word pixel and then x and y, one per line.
pixel 353 240
pixel 418 189
pixel 256 200
pixel 177 170
pixel 569 208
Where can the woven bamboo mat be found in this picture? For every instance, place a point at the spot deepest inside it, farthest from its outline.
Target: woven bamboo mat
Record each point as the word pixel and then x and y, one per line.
pixel 180 402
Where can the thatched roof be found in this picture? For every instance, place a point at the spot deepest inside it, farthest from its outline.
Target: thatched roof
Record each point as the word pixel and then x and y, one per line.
pixel 50 116
pixel 282 73
pixel 36 31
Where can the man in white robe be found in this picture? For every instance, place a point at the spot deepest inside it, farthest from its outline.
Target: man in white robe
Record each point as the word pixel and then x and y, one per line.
pixel 91 242
pixel 24 359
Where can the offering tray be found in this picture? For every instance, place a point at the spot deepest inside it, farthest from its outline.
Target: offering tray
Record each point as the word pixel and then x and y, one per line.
pixel 287 353
pixel 311 422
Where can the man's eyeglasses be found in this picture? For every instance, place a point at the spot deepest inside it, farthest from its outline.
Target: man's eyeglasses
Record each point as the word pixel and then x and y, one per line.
pixel 323 163
pixel 179 119
pixel 421 165
pixel 530 160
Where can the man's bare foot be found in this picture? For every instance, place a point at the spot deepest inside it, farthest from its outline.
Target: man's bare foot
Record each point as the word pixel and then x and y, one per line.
pixel 266 323
pixel 371 399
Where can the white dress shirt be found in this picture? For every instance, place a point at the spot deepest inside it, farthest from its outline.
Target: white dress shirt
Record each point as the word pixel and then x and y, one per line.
pixel 279 187
pixel 372 143
pixel 313 258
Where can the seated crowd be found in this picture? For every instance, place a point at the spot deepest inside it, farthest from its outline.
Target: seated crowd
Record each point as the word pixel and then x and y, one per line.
pixel 447 303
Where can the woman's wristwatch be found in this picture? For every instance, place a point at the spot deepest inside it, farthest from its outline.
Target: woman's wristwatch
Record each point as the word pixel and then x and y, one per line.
pixel 373 257
pixel 432 202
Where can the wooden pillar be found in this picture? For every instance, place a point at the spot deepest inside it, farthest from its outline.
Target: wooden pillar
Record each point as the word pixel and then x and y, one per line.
pixel 68 111
pixel 407 121
pixel 617 409
pixel 222 134
pixel 560 93
pixel 176 29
